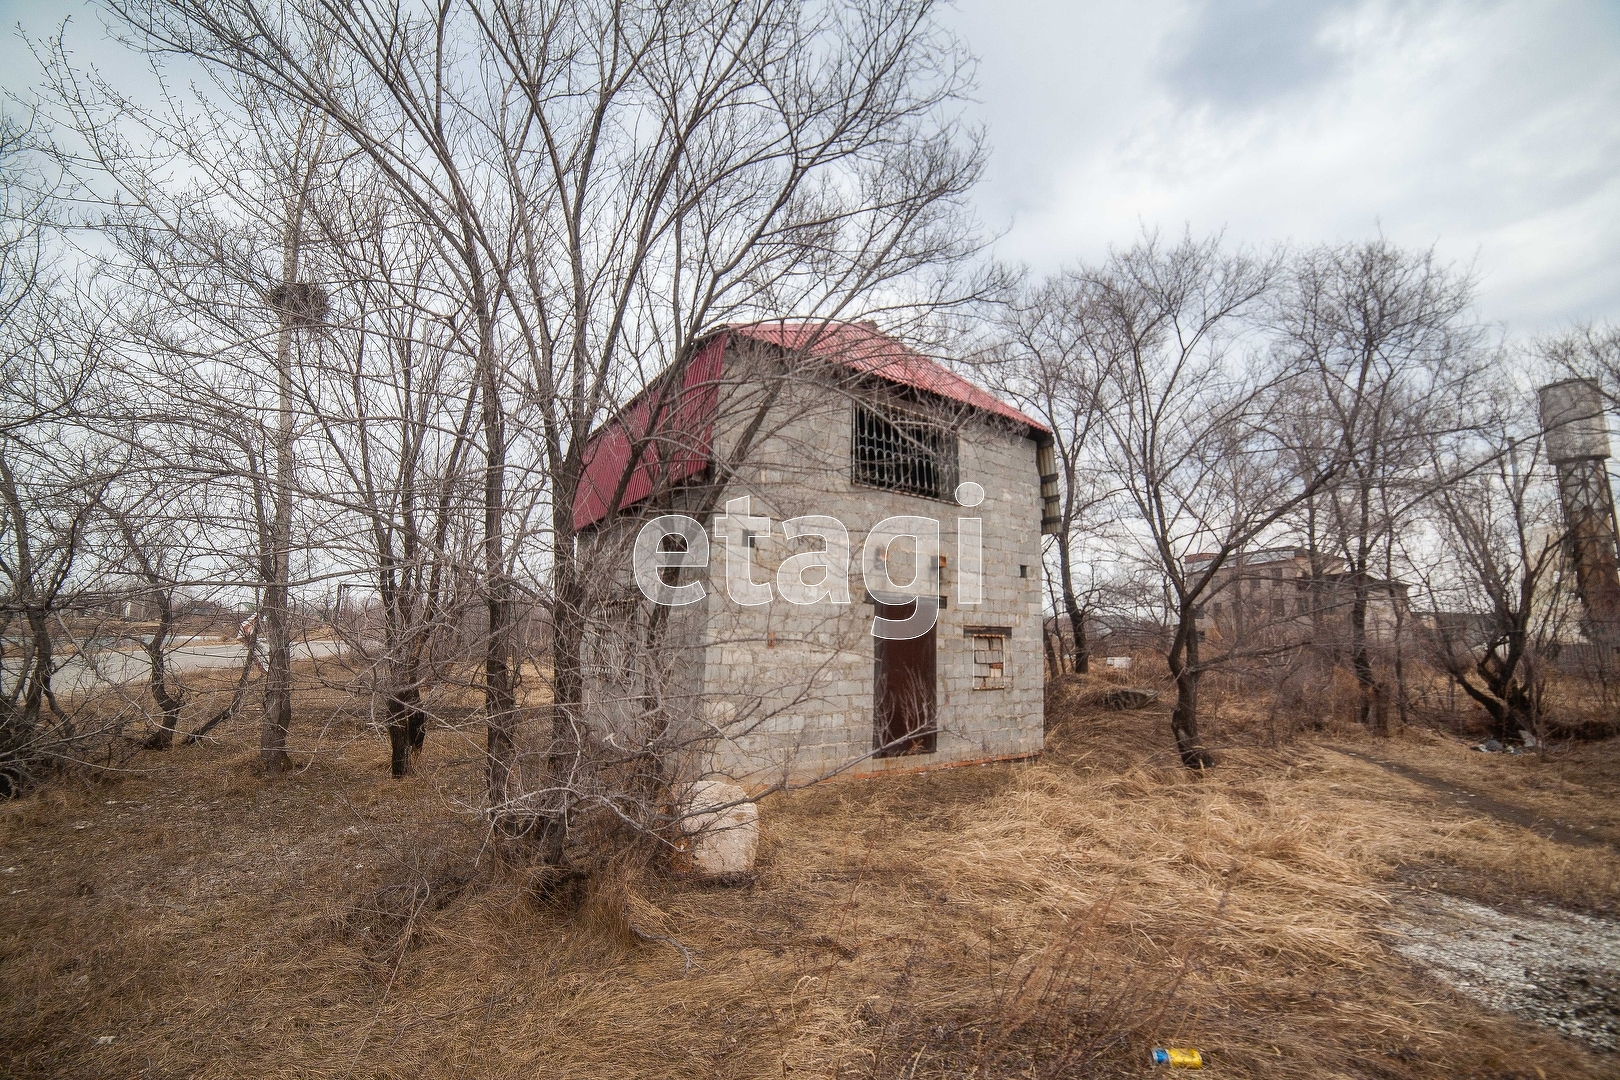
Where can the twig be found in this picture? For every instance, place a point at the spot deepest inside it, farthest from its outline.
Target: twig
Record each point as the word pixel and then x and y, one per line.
pixel 686 955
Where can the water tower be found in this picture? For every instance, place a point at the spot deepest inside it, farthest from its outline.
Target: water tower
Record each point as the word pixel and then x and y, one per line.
pixel 1577 432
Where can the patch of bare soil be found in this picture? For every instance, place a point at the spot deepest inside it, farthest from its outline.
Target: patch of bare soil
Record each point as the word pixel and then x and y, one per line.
pixel 1550 966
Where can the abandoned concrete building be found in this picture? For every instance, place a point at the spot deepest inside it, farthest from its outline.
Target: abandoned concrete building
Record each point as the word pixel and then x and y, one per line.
pixel 1271 596
pixel 814 457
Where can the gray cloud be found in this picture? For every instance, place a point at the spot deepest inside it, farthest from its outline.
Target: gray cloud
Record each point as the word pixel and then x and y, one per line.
pixel 1489 128
pixel 1241 53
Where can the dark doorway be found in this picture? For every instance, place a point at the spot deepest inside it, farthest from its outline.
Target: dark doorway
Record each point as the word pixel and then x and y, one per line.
pixel 903 690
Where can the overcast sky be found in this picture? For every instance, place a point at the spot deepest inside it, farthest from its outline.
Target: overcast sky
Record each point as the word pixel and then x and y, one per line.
pixel 1491 129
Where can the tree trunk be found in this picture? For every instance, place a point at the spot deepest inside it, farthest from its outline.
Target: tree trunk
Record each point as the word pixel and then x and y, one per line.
pixel 39 679
pixel 1371 711
pixel 402 691
pixel 236 695
pixel 406 728
pixel 1071 607
pixel 500 711
pixel 1398 609
pixel 1503 696
pixel 1184 668
pixel 567 682
pixel 276 616
pixel 168 700
pixel 19 725
pixel 1240 607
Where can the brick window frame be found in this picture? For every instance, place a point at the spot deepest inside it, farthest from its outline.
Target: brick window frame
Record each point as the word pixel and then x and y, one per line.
pixel 989 659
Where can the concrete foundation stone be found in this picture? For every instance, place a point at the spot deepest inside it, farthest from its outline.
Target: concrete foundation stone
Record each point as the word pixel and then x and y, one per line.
pixel 721 826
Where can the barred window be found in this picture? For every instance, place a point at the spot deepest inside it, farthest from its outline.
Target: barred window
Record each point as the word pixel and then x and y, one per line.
pixel 989 668
pixel 903 453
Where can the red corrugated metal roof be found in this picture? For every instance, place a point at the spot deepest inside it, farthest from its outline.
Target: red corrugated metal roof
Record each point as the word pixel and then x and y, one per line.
pixel 675 445
pixel 677 441
pixel 865 349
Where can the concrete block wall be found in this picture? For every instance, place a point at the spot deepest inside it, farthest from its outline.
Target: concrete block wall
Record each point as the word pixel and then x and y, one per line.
pixel 795 684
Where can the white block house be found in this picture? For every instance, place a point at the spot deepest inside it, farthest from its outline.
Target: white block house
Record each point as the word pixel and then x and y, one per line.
pixel 768 671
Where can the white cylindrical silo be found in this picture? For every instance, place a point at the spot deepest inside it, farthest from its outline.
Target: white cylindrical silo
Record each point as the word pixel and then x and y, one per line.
pixel 1573 418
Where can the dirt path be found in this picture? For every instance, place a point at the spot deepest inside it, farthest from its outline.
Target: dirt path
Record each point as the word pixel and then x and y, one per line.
pixel 1547 828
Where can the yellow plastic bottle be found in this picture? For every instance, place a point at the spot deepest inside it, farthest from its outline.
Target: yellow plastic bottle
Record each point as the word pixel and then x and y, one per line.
pixel 1178 1057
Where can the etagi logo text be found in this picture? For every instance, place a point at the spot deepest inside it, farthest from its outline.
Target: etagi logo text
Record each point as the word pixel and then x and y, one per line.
pixel 821 574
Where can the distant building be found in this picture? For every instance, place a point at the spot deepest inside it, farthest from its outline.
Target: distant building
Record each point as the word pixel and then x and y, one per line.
pixel 1281 596
pixel 109 605
pixel 137 606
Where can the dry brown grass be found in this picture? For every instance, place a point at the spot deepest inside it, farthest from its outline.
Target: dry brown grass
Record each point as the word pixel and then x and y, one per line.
pixel 1051 918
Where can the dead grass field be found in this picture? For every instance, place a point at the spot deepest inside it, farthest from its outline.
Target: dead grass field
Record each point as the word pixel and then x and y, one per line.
pixel 1052 918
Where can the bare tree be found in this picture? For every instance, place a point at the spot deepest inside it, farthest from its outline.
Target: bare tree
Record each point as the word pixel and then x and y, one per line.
pixel 206 205
pixel 395 407
pixel 47 500
pixel 151 549
pixel 610 181
pixel 52 466
pixel 299 305
pixel 1501 607
pixel 1382 334
pixel 1195 437
pixel 1055 362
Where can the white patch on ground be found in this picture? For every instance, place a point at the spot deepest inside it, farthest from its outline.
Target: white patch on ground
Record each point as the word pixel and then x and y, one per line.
pixel 1548 965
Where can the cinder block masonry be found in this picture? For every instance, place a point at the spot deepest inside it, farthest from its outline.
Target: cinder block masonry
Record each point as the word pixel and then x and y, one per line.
pixel 840 421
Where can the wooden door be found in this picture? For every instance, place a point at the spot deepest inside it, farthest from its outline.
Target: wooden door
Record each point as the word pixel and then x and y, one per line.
pixel 903 693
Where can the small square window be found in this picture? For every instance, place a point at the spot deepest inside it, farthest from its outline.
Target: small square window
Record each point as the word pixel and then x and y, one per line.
pixel 989 662
pixel 1023 571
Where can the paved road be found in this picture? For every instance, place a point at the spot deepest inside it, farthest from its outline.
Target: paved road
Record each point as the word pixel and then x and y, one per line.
pixel 112 667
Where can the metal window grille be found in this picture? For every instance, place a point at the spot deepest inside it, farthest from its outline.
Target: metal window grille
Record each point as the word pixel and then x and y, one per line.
pixel 903 453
